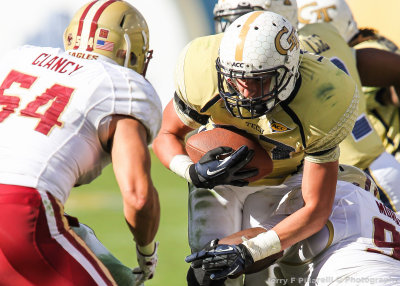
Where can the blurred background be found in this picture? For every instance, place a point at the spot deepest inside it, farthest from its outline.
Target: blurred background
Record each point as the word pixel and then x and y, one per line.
pixel 172 24
pixel 381 15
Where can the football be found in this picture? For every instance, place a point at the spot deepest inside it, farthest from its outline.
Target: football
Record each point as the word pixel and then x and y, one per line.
pixel 200 143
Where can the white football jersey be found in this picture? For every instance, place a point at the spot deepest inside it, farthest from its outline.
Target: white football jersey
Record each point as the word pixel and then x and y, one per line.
pixel 360 241
pixel 51 105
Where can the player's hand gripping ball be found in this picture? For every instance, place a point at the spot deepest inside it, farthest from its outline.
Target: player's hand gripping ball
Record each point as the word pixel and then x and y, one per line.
pixel 200 143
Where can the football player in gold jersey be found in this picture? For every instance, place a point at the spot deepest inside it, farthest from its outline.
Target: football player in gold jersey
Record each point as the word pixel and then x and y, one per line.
pixel 254 77
pixel 363 146
pixel 382 102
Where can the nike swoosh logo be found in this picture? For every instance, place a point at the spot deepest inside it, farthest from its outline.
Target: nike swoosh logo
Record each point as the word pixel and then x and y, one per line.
pixel 210 173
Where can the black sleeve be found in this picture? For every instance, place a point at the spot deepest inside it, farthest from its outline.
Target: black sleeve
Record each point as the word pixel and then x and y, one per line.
pixel 193 114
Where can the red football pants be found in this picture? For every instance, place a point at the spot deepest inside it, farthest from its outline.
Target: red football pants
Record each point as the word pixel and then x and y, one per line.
pixel 37 246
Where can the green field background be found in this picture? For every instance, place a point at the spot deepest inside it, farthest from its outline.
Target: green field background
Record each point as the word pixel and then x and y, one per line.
pixel 99 205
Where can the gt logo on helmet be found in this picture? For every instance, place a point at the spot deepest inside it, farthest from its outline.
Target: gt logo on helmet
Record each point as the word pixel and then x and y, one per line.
pixel 322 13
pixel 292 40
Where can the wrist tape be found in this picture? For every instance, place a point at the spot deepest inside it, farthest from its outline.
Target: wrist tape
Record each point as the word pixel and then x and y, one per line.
pixel 180 165
pixel 263 245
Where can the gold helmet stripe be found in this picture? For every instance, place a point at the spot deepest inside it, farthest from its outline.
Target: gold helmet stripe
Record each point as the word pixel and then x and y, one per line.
pixel 243 33
pixel 87 27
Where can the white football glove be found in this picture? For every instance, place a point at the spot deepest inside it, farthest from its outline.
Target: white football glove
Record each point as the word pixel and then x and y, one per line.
pixel 147 266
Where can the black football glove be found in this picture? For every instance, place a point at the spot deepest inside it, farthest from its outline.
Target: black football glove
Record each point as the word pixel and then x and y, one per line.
pixel 222 261
pixel 211 170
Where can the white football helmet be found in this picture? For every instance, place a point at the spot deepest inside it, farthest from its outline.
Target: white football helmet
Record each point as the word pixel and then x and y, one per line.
pixel 114 29
pixel 337 12
pixel 227 11
pixel 258 45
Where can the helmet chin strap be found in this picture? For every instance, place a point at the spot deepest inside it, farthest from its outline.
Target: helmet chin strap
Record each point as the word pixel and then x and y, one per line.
pixel 128 50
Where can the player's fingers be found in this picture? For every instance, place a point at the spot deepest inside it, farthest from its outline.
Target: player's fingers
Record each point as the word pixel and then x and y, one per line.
pixel 138 277
pixel 236 158
pixel 137 271
pixel 214 265
pixel 240 153
pixel 240 160
pixel 197 264
pixel 221 274
pixel 212 154
pixel 249 156
pixel 197 256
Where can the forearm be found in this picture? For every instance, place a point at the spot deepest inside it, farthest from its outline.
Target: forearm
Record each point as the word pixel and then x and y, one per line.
pixel 167 145
pixel 318 192
pixel 143 217
pixel 239 237
pixel 300 225
pixel 170 140
pixel 378 67
pixel 172 154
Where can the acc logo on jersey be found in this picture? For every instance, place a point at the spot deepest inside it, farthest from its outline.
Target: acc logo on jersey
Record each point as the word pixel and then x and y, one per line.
pixel 278 127
pixel 292 40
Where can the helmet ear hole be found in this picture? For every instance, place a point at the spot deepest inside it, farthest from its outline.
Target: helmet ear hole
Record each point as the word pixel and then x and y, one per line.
pixel 122 22
pixel 133 59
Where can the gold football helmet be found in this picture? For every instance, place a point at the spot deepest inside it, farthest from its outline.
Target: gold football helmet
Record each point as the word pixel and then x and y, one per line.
pixel 111 28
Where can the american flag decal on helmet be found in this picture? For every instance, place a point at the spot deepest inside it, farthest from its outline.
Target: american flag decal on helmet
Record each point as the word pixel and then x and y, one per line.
pixel 105 45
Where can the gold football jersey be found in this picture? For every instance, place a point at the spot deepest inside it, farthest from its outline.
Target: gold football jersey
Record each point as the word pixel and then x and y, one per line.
pixel 385 118
pixel 363 145
pixel 310 124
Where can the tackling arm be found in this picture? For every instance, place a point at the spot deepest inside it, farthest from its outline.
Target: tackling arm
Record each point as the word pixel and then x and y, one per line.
pixel 131 163
pixel 378 67
pixel 318 190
